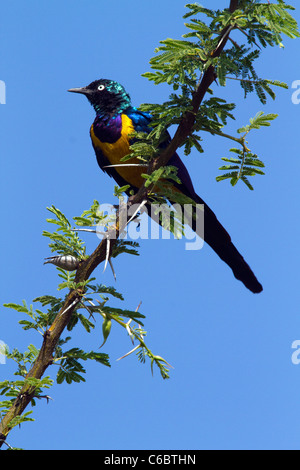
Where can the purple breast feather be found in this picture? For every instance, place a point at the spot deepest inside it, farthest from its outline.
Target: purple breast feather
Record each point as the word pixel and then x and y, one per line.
pixel 108 130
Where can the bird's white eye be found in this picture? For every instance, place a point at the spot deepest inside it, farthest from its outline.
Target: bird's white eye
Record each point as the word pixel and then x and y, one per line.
pixel 101 87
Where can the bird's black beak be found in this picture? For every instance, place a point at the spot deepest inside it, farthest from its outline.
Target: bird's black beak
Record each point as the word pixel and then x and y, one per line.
pixel 83 90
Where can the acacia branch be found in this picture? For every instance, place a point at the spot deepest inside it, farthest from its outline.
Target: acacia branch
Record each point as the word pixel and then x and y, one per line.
pixel 188 120
pixel 86 267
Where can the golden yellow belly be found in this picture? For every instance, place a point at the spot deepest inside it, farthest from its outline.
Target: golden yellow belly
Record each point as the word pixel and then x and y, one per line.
pixel 119 149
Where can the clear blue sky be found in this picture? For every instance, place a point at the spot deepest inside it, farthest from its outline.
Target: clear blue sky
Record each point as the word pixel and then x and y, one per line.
pixel 233 385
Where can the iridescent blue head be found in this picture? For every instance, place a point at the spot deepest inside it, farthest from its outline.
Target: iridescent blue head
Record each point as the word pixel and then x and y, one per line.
pixel 108 97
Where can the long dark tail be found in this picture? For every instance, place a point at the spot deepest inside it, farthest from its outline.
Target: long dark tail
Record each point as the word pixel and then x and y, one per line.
pixel 219 240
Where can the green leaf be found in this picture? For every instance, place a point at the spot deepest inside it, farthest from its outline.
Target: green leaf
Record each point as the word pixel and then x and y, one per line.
pixel 19 308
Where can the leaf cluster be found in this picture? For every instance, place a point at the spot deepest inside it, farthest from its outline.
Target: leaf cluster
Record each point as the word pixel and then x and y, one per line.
pixel 96 301
pixel 182 63
pixel 245 163
pixel 64 240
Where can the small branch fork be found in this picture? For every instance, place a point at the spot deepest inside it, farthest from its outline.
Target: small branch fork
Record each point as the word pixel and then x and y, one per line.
pixel 102 253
